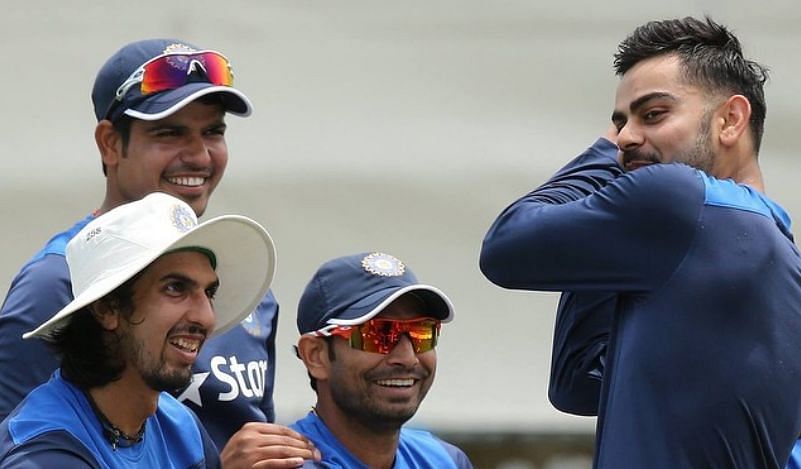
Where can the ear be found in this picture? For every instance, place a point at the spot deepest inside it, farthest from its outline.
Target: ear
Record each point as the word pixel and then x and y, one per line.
pixel 105 315
pixel 314 353
pixel 735 118
pixel 108 142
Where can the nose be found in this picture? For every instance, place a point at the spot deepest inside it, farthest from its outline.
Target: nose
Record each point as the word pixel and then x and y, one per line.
pixel 196 152
pixel 403 353
pixel 201 312
pixel 629 137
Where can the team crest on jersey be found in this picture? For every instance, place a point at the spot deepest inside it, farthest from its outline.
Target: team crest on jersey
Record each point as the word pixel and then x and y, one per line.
pixel 382 264
pixel 182 219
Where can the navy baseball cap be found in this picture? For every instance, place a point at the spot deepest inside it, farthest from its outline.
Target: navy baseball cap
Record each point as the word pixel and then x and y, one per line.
pixel 128 61
pixel 352 290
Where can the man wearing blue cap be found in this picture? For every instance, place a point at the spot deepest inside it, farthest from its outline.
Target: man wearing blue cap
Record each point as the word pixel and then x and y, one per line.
pixel 160 106
pixel 368 332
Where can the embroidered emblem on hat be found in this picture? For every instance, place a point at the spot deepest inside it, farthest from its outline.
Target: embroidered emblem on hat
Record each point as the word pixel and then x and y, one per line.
pixel 382 264
pixel 177 47
pixel 182 219
pixel 178 61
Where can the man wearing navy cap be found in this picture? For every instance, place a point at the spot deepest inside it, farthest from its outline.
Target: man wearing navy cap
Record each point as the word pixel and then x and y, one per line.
pixel 160 106
pixel 368 332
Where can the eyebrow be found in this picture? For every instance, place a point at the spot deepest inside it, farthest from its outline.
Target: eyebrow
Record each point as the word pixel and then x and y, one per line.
pixel 188 280
pixel 618 116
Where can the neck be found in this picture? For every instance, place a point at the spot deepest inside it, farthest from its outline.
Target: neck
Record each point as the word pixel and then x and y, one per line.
pixel 741 166
pixel 124 407
pixel 374 447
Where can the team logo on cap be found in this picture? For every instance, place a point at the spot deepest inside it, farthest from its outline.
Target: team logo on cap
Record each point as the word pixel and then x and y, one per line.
pixel 182 219
pixel 382 264
pixel 177 47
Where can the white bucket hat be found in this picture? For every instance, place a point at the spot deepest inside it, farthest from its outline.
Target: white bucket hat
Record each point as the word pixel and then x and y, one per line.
pixel 122 242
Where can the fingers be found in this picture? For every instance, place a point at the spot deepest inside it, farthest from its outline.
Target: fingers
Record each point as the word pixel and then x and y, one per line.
pixel 611 133
pixel 279 463
pixel 267 445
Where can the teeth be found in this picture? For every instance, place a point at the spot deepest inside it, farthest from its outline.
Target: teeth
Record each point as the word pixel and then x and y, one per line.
pixel 187 181
pixel 398 383
pixel 186 344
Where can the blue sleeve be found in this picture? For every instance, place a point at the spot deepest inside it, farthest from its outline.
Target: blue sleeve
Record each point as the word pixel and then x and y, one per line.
pixel 49 450
pixel 40 290
pixel 459 457
pixel 593 228
pixel 581 336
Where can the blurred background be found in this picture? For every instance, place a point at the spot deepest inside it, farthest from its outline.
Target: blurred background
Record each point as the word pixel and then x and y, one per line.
pixel 404 127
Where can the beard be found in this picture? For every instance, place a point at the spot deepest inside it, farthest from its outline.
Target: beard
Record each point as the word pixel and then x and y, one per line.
pixel 155 371
pixel 699 155
pixel 378 415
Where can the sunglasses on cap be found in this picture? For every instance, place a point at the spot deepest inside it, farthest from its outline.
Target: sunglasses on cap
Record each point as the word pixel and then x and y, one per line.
pixel 382 335
pixel 172 70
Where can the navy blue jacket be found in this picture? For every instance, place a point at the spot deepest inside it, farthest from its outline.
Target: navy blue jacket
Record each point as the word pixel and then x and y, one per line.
pixel 680 321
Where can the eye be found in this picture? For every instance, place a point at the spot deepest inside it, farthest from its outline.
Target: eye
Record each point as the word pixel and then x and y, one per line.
pixel 211 292
pixel 165 133
pixel 653 115
pixel 175 288
pixel 217 131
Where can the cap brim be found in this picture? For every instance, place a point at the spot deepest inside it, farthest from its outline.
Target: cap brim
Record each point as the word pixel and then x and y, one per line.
pixel 161 105
pixel 437 303
pixel 236 241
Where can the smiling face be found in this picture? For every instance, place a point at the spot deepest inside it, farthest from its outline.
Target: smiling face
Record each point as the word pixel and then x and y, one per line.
pixel 375 390
pixel 184 154
pixel 661 118
pixel 172 317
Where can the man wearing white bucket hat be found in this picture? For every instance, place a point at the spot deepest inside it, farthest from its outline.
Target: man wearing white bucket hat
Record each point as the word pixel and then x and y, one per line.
pixel 145 280
pixel 161 108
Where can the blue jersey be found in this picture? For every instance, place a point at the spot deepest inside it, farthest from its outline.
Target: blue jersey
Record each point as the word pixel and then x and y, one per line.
pixel 681 319
pixel 55 426
pixel 233 375
pixel 417 449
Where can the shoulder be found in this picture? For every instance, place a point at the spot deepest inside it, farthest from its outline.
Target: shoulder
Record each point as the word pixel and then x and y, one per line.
pixel 56 448
pixel 424 446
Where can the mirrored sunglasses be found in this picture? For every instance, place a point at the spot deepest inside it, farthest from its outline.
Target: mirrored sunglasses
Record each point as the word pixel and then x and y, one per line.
pixel 382 335
pixel 173 70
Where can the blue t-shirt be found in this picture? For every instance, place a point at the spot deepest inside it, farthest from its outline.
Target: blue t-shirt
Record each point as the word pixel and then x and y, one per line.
pixel 417 449
pixel 233 375
pixel 55 426
pixel 680 319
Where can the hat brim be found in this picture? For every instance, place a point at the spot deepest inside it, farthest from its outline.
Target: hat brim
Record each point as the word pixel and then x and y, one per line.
pixel 370 306
pixel 161 105
pixel 238 243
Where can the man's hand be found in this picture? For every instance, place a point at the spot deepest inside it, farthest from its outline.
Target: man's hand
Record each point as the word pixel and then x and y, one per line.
pixel 267 445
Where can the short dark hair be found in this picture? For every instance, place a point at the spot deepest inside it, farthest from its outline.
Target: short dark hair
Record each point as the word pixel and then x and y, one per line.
pixel 710 55
pixel 90 355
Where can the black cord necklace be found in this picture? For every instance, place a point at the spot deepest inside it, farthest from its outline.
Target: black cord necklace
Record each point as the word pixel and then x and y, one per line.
pixel 115 436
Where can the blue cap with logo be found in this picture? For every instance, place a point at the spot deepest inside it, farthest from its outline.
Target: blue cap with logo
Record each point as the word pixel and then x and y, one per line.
pixel 177 74
pixel 353 289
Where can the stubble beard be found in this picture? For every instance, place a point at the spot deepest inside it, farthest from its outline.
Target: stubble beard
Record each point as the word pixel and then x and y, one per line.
pixel 155 372
pixel 370 413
